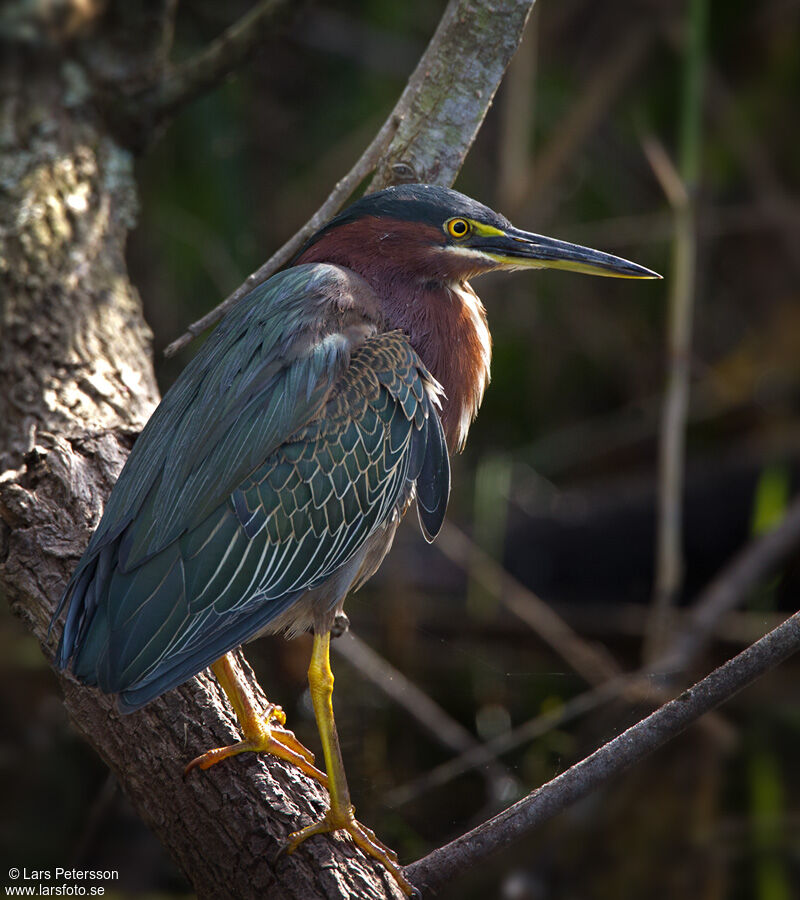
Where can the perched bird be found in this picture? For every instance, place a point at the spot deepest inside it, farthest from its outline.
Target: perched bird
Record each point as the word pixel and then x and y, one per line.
pixel 270 480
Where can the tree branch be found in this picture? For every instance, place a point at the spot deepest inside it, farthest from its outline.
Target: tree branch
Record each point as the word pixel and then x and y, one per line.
pixel 430 130
pixel 462 854
pixel 71 394
pixel 525 733
pixel 76 382
pixel 181 84
pixel 342 190
pixel 680 188
pixel 592 662
pixel 439 724
pixel 742 574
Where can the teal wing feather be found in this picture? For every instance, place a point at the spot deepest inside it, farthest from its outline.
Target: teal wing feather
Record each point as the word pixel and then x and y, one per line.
pixel 261 374
pixel 323 443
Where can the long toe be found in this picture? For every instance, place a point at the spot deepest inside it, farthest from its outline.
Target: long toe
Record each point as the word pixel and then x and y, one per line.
pixel 274 741
pixel 288 740
pixel 212 757
pixel 362 836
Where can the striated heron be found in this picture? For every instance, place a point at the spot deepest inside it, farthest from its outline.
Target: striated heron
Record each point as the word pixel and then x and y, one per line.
pixel 270 480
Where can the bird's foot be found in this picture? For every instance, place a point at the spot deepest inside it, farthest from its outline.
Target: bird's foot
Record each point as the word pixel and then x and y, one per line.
pixel 265 736
pixel 363 837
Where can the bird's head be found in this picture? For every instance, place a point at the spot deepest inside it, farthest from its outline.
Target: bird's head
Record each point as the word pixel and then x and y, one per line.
pixel 431 232
pixel 417 246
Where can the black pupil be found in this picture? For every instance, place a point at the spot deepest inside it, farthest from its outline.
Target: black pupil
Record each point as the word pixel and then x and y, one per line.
pixel 459 227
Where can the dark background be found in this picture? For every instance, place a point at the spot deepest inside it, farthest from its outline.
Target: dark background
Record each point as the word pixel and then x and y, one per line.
pixel 560 473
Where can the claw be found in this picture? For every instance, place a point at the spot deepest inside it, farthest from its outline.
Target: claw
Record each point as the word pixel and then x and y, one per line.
pixel 363 837
pixel 267 738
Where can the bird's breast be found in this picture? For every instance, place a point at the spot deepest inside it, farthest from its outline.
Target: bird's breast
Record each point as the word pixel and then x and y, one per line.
pixel 452 337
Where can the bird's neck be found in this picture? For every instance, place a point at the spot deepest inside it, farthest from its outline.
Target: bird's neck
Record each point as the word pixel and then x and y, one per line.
pixel 442 316
pixel 446 324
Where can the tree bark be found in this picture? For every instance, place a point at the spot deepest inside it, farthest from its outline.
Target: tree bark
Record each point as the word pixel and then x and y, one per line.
pixel 76 386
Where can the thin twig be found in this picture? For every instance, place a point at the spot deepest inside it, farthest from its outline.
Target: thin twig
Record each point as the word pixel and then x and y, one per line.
pixel 603 87
pixel 664 169
pixel 675 409
pixel 435 720
pixel 757 561
pixel 503 743
pixel 680 189
pixel 341 191
pixel 459 856
pixel 591 662
pixel 185 82
pixel 165 35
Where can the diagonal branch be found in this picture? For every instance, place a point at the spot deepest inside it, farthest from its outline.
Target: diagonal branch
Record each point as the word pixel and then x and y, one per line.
pixel 430 130
pixel 503 743
pixel 757 561
pixel 436 721
pixel 462 854
pixel 342 190
pixel 607 80
pixel 592 662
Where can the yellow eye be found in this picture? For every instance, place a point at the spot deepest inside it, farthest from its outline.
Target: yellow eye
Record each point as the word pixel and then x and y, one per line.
pixel 458 228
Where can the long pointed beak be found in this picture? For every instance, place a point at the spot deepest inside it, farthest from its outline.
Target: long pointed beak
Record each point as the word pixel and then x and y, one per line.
pixel 513 248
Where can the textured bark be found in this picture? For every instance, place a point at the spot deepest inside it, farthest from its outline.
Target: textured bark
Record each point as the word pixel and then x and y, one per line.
pixel 76 386
pixel 451 90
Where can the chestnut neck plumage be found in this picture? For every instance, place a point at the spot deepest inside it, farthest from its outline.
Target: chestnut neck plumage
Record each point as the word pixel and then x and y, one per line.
pixel 425 293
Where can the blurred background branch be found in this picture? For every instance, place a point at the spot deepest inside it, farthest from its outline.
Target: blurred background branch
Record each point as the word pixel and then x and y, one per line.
pixel 680 188
pixel 459 856
pixel 399 152
pixel 180 84
pixel 756 562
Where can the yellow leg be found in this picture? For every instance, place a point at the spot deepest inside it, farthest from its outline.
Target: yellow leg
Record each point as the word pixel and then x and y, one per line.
pixel 262 733
pixel 340 814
